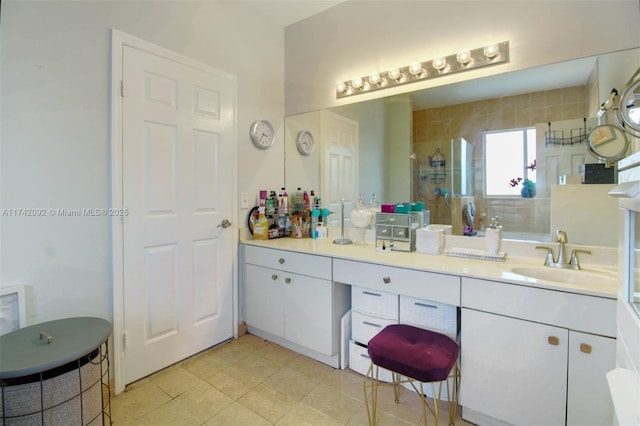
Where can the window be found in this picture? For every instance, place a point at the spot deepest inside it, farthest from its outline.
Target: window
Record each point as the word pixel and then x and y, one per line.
pixel 508 155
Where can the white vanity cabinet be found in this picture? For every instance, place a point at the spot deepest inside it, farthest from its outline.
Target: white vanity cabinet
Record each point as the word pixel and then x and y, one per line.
pixel 535 356
pixel 291 299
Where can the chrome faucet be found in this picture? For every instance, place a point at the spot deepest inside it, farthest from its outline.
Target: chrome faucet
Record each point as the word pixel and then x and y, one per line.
pixel 560 261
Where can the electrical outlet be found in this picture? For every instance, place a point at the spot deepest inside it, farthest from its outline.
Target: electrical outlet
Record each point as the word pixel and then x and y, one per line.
pixel 244 200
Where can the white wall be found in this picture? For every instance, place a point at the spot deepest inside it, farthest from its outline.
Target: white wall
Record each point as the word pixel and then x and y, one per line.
pixel 54 76
pixel 356 38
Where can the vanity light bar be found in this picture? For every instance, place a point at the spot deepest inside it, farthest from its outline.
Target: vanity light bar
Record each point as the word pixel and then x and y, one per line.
pixel 419 71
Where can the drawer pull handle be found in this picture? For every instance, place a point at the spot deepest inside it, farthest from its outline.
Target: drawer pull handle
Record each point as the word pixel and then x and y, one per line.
pixel 281 261
pixel 585 348
pixel 553 340
pixel 371 324
pixel 274 277
pixel 424 305
pixel 386 280
pixel 287 280
pixel 368 293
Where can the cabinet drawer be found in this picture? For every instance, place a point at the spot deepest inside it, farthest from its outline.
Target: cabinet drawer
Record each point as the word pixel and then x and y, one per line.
pixel 431 315
pixel 364 327
pixel 299 263
pixel 578 312
pixel 426 285
pixel 374 302
pixel 359 361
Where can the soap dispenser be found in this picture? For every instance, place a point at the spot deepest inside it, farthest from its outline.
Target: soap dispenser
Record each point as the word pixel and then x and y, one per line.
pixel 493 236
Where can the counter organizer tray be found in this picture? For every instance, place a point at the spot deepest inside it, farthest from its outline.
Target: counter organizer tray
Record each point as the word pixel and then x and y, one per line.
pixel 470 253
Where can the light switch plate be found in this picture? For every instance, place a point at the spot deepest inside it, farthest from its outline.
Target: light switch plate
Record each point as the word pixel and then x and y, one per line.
pixel 244 200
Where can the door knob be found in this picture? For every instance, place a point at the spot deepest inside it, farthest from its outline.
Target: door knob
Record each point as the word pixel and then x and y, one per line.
pixel 224 224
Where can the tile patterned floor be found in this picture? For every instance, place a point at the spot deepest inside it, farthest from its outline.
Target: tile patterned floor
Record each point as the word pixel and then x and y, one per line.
pixel 250 381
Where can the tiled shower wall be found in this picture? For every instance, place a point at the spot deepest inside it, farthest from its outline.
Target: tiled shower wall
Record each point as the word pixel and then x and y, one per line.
pixel 435 127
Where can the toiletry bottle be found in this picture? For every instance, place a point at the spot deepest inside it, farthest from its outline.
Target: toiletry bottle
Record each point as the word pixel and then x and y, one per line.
pixel 287 225
pixel 261 227
pixel 284 202
pixel 281 224
pixel 298 200
pixel 492 237
pixel 306 203
pixel 271 204
pixel 314 200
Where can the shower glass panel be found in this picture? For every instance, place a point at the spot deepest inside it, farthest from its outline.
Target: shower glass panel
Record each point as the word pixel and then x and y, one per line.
pixel 461 169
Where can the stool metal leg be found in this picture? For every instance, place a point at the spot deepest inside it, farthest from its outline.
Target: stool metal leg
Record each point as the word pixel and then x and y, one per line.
pixel 371 382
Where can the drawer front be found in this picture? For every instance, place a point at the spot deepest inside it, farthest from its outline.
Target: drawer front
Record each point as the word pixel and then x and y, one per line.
pixel 374 302
pixel 364 327
pixel 430 315
pixel 578 312
pixel 359 361
pixel 299 263
pixel 425 285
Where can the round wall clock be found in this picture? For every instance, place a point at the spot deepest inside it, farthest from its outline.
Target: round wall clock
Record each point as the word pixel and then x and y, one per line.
pixel 304 142
pixel 262 134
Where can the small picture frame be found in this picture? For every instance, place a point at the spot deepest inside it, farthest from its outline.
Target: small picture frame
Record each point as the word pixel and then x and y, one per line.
pixel 13 309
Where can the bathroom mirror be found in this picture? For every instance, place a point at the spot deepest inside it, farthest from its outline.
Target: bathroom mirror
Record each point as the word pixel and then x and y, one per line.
pixel 387 160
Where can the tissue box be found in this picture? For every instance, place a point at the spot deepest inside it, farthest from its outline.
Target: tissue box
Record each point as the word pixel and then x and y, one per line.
pixel 430 240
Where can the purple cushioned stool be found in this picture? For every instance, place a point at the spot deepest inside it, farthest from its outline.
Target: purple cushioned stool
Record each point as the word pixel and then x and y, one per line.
pixel 418 355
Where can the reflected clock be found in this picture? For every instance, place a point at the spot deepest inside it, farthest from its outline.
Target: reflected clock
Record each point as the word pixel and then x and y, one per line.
pixel 304 142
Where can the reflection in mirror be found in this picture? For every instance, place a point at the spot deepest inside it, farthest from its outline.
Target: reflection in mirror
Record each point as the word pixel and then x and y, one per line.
pixel 395 149
pixel 608 143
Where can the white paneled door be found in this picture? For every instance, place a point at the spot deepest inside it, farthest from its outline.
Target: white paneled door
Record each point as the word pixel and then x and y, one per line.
pixel 178 125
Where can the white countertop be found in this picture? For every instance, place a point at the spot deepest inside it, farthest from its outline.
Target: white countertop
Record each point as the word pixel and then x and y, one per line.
pixel 484 269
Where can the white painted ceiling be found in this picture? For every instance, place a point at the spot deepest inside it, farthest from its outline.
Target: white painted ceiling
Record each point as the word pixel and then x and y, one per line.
pixel 286 12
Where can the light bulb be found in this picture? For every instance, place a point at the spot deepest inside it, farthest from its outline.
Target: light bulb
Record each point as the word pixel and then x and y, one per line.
pixel 439 63
pixel 357 83
pixel 416 69
pixel 464 57
pixel 394 74
pixel 491 51
pixel 374 78
pixel 341 87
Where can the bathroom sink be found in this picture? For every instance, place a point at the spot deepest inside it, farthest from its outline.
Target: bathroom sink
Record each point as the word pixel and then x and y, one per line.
pixel 566 276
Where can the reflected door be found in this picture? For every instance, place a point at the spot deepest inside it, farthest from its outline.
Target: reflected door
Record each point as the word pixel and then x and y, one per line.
pixel 339 161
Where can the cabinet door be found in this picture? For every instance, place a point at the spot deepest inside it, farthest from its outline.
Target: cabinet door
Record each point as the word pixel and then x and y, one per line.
pixel 308 312
pixel 590 359
pixel 513 370
pixel 263 299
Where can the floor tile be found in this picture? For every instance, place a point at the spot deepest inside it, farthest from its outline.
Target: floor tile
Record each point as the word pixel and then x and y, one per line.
pixel 175 380
pixel 233 381
pixel 237 415
pixel 258 367
pixel 268 402
pixel 139 399
pixel 336 405
pixel 204 401
pixel 303 415
pixel 292 383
